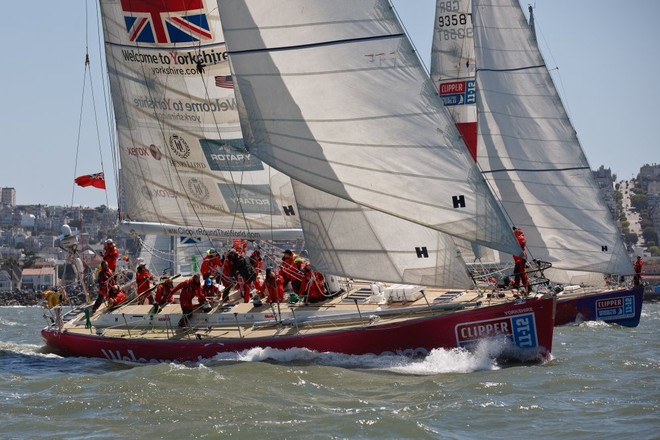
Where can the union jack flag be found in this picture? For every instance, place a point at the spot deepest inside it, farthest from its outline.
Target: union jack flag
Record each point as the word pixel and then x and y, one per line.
pixel 166 21
pixel 224 81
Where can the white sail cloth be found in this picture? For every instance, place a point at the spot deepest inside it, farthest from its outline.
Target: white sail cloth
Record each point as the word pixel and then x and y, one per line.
pixel 334 96
pixel 529 151
pixel 182 161
pixel 350 240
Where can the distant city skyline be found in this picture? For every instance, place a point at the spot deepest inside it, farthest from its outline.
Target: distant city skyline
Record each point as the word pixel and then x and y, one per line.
pixel 600 52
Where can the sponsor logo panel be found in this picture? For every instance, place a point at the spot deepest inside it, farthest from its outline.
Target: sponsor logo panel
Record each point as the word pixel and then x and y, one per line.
pixel 521 329
pixel 251 199
pixel 229 155
pixel 615 308
pixel 458 92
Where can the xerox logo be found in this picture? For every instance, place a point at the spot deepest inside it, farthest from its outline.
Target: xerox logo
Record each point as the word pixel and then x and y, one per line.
pixel 137 151
pixel 152 151
pixel 158 193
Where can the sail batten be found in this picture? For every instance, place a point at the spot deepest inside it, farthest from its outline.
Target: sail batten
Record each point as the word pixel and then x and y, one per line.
pixel 317 44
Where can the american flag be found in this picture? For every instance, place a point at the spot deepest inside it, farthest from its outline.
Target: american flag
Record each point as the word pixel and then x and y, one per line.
pixel 96 180
pixel 166 21
pixel 224 81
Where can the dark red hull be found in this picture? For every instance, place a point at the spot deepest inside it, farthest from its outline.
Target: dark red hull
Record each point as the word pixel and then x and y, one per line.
pixel 528 325
pixel 623 307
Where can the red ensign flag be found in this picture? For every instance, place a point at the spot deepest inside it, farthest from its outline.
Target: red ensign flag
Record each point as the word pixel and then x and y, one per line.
pixel 96 180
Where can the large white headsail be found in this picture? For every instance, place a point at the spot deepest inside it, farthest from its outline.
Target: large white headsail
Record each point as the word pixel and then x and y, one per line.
pixel 344 238
pixel 183 161
pixel 529 150
pixel 335 97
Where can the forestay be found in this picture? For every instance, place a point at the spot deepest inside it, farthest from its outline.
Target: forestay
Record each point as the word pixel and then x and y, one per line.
pixel 184 168
pixel 335 97
pixel 530 153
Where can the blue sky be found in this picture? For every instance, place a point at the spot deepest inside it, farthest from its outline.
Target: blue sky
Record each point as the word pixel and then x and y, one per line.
pixel 606 52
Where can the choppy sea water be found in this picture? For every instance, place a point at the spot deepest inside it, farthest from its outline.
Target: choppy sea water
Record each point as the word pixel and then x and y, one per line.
pixel 602 383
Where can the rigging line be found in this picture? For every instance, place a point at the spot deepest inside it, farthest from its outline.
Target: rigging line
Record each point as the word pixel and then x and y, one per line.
pixel 176 170
pixel 109 114
pixel 405 33
pixel 161 128
pixel 75 163
pixel 237 187
pixel 82 100
pixel 271 199
pixel 96 122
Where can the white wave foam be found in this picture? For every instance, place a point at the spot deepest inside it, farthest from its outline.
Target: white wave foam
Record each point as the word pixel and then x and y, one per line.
pixel 438 361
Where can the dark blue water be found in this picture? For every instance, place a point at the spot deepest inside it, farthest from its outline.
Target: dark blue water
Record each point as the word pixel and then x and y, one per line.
pixel 603 383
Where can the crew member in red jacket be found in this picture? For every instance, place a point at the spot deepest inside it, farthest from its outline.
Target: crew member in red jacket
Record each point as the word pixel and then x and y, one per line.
pixel 257 263
pixel 105 280
pixel 312 285
pixel 240 245
pixel 272 287
pixel 143 279
pixel 190 289
pixel 211 264
pixel 227 268
pixel 116 297
pixel 637 278
pixel 164 294
pixel 519 270
pixel 291 270
pixel 110 254
pixel 210 290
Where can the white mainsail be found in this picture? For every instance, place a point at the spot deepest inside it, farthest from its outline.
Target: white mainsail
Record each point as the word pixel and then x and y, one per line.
pixel 530 153
pixel 333 95
pixel 184 167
